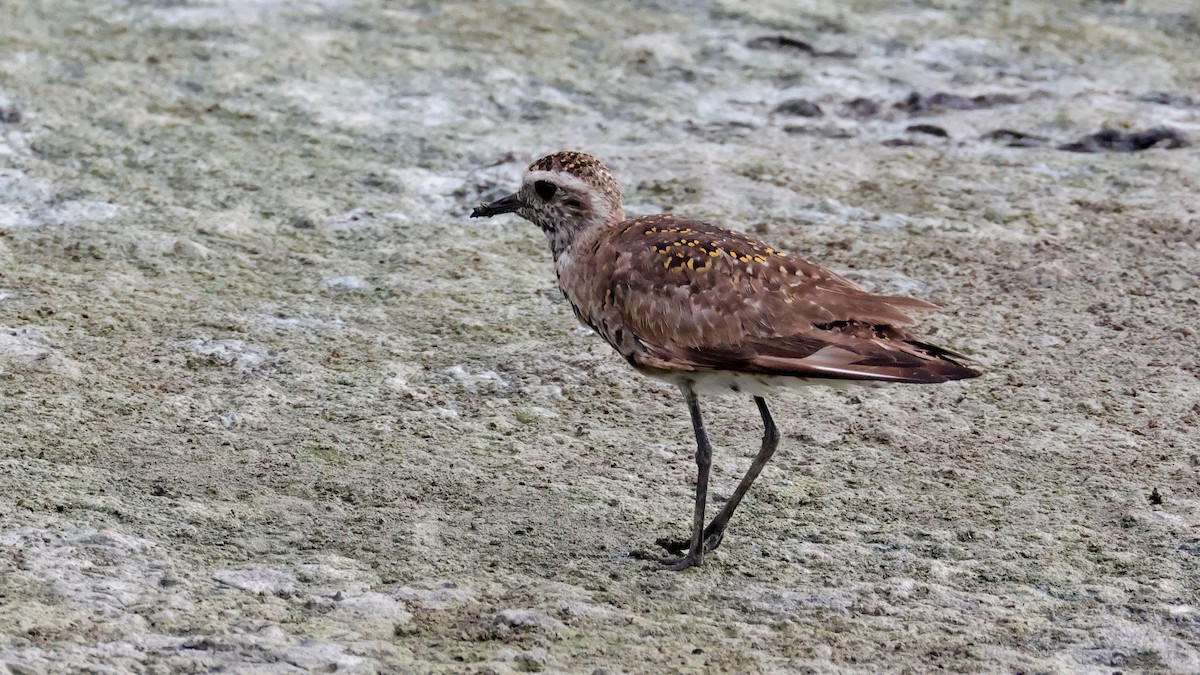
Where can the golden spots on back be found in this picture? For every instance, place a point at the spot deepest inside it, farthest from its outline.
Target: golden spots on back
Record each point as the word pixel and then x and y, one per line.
pixel 694 248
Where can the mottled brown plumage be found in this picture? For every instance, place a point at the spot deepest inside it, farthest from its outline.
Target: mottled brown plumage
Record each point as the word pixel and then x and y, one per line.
pixel 707 308
pixel 696 297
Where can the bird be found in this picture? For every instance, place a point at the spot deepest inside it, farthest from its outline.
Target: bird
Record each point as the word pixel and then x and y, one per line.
pixel 711 310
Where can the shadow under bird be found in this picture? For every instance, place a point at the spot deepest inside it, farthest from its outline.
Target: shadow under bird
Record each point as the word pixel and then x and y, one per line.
pixel 711 310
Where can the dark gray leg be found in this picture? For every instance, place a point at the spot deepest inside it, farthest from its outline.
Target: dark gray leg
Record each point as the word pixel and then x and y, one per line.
pixel 716 529
pixel 695 554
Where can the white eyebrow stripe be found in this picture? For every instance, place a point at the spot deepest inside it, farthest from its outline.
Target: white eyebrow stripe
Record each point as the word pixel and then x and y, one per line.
pixel 599 202
pixel 558 177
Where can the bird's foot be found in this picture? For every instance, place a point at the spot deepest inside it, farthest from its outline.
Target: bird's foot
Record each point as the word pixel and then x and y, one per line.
pixel 692 559
pixel 677 546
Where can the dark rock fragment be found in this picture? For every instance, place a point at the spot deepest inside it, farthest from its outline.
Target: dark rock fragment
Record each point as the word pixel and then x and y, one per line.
pixel 1015 139
pixel 1164 98
pixel 791 44
pixel 916 103
pixel 781 42
pixel 799 107
pixel 861 108
pixel 1114 140
pixel 931 129
pixel 820 132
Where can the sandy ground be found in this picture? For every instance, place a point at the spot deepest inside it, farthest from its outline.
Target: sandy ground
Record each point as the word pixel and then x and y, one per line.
pixel 270 402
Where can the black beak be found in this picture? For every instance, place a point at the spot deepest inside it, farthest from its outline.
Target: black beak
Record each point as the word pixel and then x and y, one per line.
pixel 507 204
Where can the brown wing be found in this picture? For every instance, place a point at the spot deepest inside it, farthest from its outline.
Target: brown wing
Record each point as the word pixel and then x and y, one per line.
pixel 699 297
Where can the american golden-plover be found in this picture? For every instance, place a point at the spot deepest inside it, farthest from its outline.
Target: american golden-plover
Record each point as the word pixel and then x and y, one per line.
pixel 711 310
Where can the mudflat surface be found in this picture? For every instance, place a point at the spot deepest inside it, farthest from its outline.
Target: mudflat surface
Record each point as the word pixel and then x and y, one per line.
pixel 270 402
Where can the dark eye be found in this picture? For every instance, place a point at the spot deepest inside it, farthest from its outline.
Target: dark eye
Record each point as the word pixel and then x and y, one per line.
pixel 545 189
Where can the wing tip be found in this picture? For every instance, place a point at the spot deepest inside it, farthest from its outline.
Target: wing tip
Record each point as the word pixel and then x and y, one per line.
pixel 919 363
pixel 949 371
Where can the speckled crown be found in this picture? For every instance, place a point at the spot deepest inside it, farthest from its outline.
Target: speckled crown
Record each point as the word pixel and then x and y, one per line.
pixel 584 167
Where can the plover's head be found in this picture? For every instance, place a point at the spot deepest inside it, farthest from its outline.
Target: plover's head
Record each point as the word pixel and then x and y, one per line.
pixel 565 194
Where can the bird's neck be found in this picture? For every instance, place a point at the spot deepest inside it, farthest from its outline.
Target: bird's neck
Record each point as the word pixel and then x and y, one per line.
pixel 570 241
pixel 560 243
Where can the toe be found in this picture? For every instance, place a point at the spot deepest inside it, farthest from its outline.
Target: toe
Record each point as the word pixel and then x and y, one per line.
pixel 679 564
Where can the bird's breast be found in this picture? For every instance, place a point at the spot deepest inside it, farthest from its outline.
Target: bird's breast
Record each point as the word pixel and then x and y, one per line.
pixel 586 287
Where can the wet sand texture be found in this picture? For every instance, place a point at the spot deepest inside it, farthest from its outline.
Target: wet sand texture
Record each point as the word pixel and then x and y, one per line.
pixel 270 401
